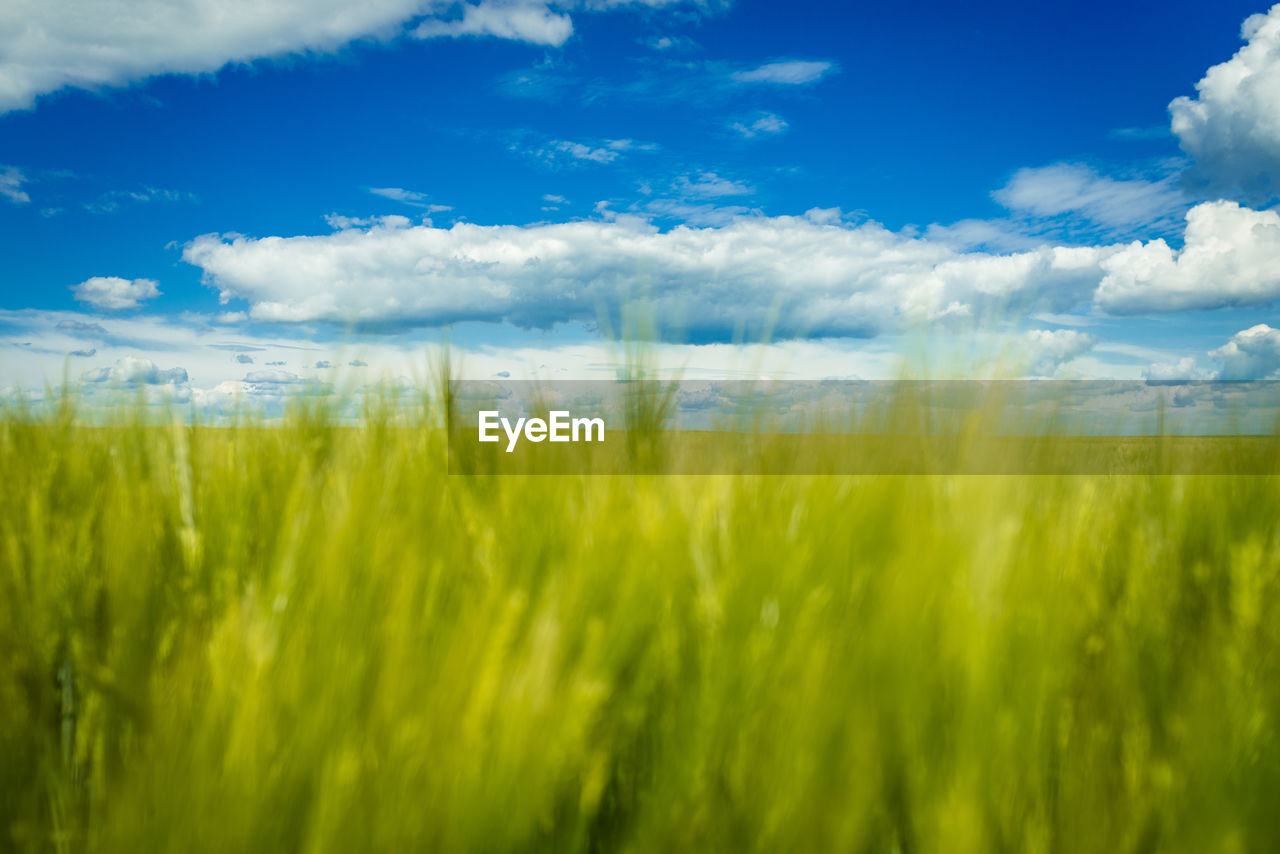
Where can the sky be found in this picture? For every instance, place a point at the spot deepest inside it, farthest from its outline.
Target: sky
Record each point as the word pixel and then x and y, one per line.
pixel 215 199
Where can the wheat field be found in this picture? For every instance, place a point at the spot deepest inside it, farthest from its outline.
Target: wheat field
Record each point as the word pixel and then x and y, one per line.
pixel 306 636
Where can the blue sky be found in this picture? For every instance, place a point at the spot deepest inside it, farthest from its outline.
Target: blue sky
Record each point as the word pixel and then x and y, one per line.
pixel 212 186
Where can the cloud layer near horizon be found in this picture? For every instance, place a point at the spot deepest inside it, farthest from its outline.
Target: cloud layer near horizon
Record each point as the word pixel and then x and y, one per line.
pixel 785 276
pixel 803 276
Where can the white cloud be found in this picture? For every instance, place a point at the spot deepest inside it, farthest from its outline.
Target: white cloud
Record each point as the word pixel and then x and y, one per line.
pixel 1232 127
pixel 793 73
pixel 112 201
pixel 671 43
pixel 1253 354
pixel 140 350
pixel 113 293
pixel 399 194
pixel 579 151
pixel 824 216
pixel 817 279
pixel 268 390
pixel 1077 190
pixel 1048 350
pixel 630 145
pixel 599 151
pixel 47 45
pixel 273 378
pixel 993 235
pixel 134 371
pixel 1231 257
pixel 709 185
pixel 81 327
pixel 1183 370
pixel 693 213
pixel 766 125
pixel 695 200
pixel 531 22
pixel 11 181
pixel 409 197
pixel 338 221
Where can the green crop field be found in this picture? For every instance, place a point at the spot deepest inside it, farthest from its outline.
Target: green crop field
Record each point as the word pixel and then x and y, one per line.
pixel 308 637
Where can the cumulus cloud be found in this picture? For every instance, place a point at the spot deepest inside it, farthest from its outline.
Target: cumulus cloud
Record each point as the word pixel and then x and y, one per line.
pixel 134 371
pixel 792 73
pixel 11 181
pixel 1048 350
pixel 1253 354
pixel 1230 257
pixel 244 358
pixel 113 293
pixel 269 391
pixel 1232 126
pixel 816 277
pixel 1183 370
pixel 1075 190
pixel 281 383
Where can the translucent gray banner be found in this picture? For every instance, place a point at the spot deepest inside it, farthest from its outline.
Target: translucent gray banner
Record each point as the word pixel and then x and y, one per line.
pixel 863 427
